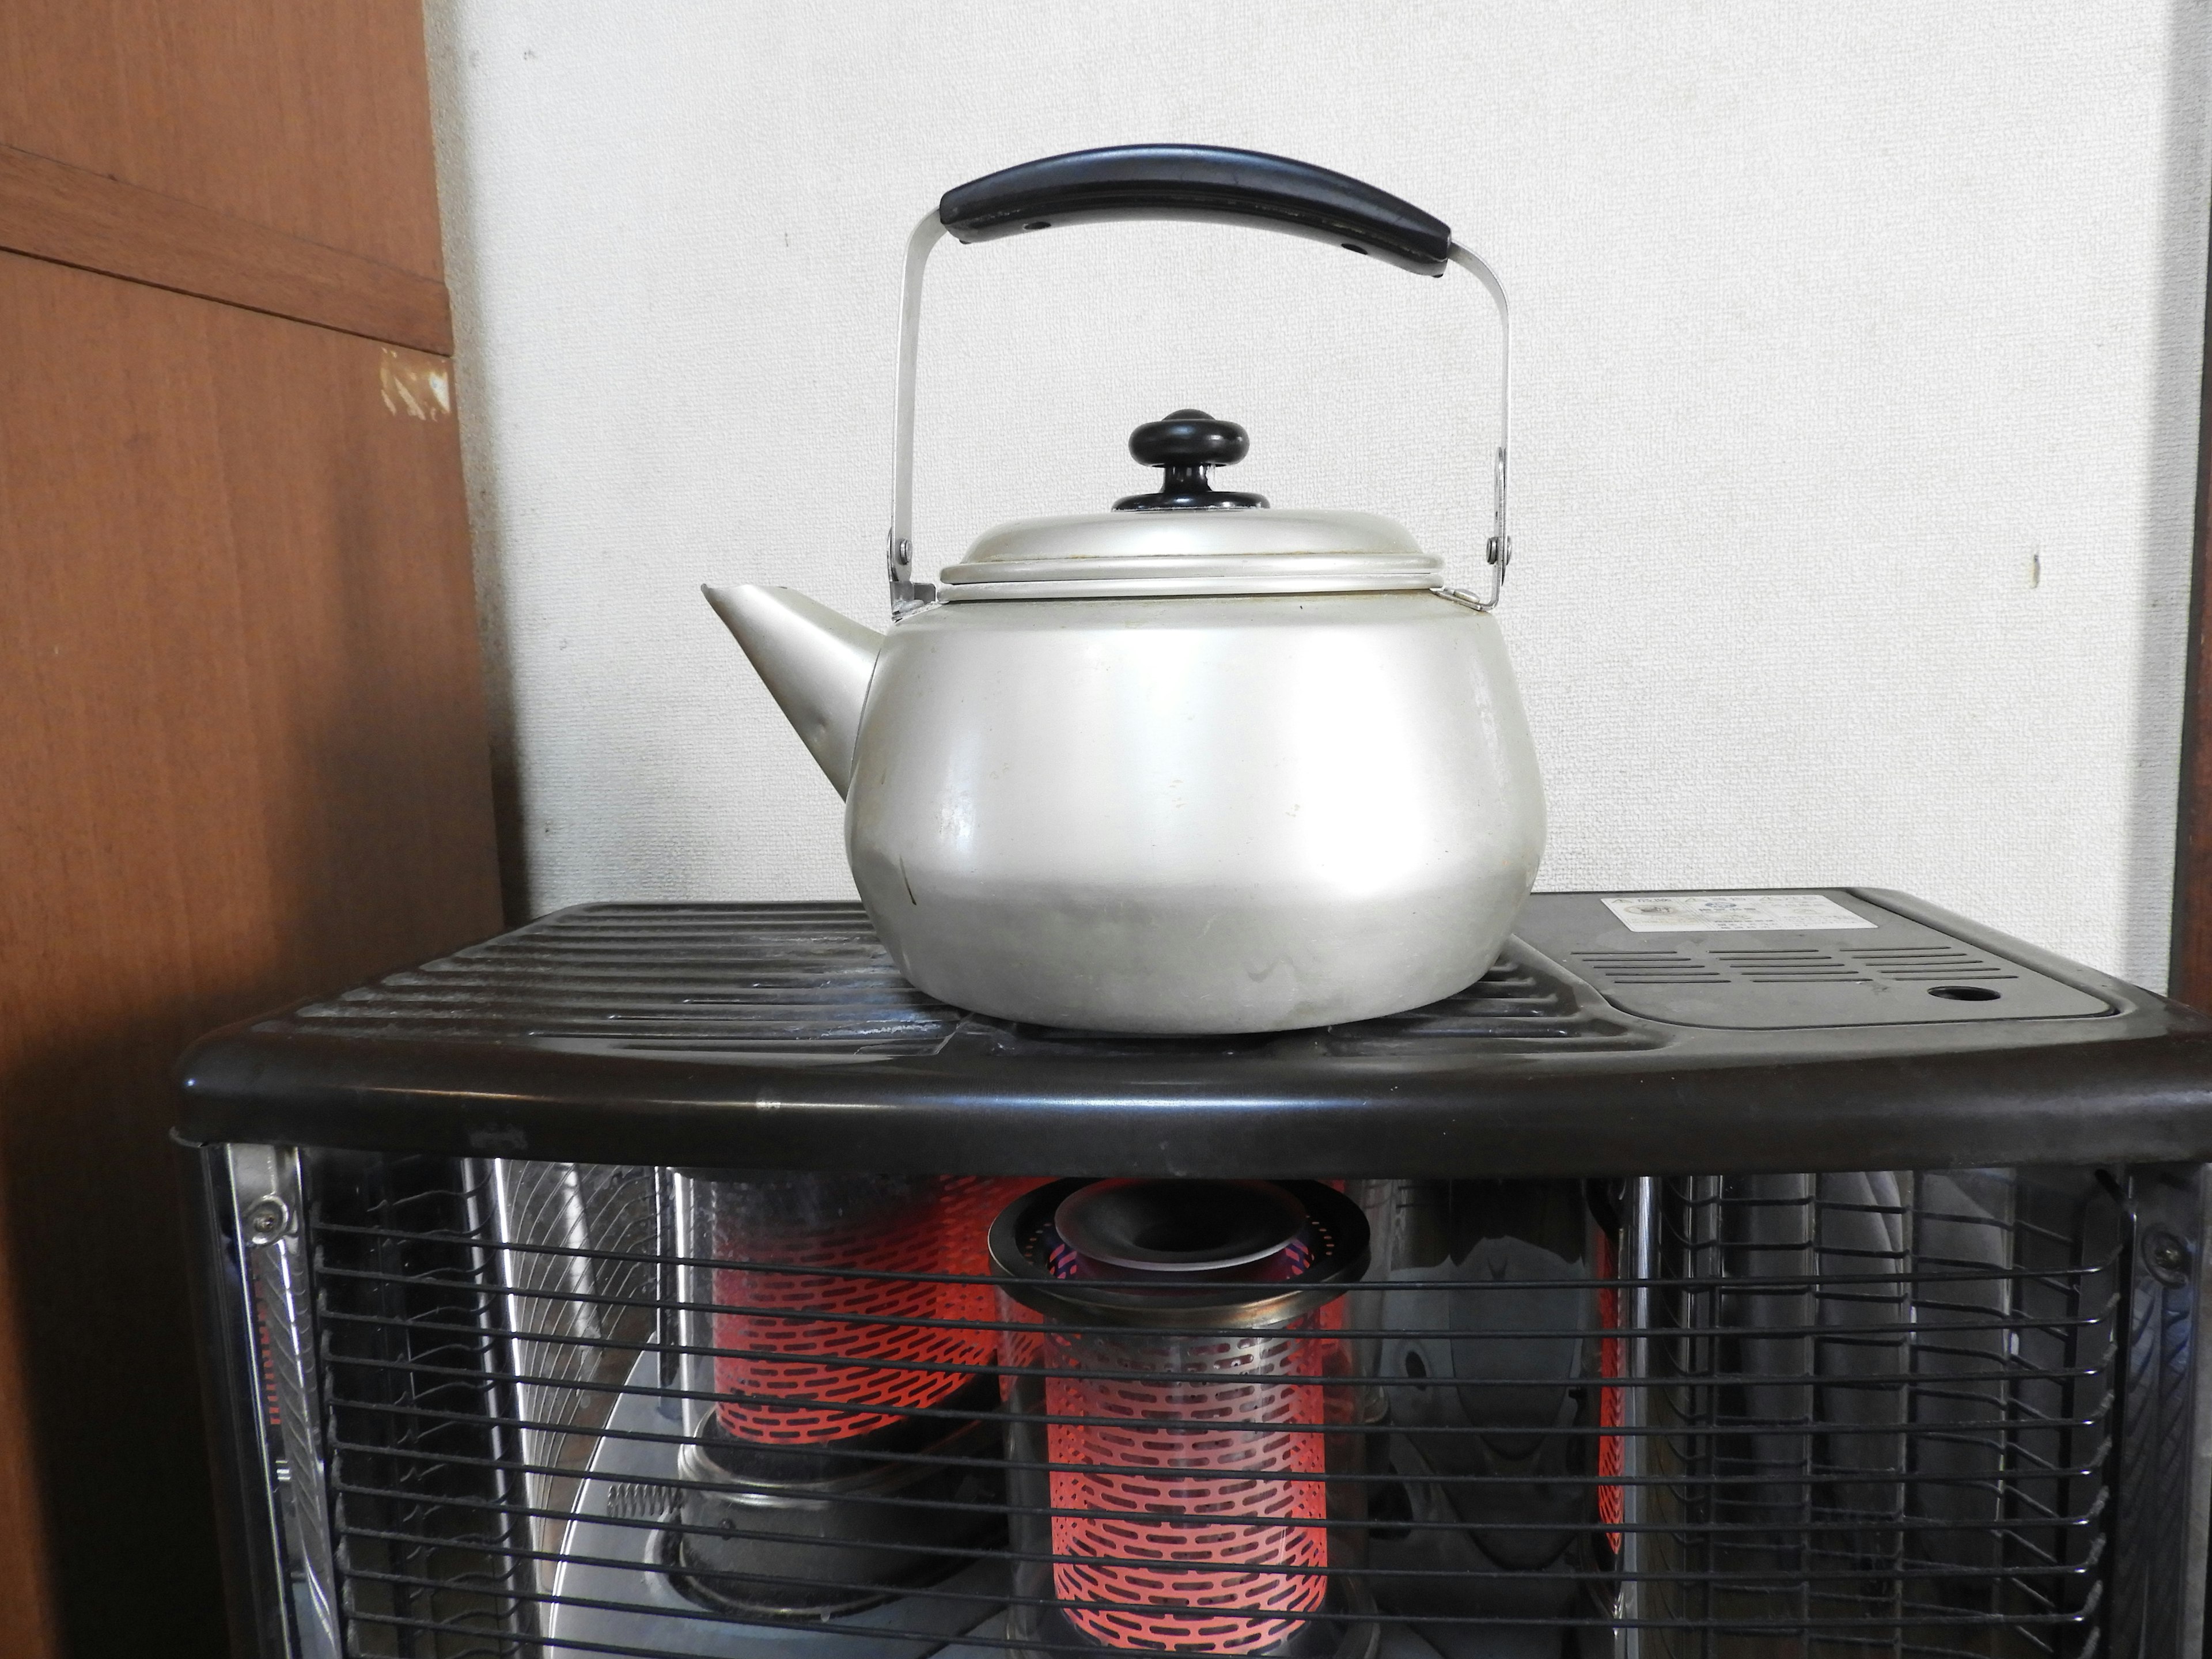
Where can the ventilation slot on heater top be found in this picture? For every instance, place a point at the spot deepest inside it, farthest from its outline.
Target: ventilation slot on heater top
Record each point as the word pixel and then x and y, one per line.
pixel 1909 964
pixel 1788 967
pixel 1652 968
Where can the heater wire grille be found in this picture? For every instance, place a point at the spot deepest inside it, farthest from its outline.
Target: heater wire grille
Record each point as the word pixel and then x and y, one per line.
pixel 1854 1413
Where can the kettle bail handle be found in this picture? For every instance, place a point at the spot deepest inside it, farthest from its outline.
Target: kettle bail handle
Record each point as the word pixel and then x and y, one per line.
pixel 1181 181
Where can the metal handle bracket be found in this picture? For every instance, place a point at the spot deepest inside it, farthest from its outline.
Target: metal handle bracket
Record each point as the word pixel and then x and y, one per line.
pixel 908 595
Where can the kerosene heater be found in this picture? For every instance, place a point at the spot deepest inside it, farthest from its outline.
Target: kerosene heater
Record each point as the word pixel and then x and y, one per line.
pixel 664 1280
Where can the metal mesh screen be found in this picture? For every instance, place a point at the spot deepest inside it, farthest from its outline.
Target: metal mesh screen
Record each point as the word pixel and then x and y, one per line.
pixel 1712 1416
pixel 1879 1408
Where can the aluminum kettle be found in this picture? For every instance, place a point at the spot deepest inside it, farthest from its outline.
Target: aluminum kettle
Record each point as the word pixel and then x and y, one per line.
pixel 1194 765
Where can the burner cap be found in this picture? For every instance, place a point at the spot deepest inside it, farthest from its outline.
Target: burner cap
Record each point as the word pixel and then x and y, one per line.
pixel 1178 1226
pixel 1165 1254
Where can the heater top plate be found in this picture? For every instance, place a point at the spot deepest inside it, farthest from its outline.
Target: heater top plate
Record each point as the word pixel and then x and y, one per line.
pixel 1788 961
pixel 1835 1028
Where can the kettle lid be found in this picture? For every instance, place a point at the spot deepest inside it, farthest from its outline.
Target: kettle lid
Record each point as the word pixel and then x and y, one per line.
pixel 1189 537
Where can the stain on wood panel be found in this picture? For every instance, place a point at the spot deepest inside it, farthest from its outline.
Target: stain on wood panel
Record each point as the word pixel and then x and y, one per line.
pixel 416 385
pixel 246 761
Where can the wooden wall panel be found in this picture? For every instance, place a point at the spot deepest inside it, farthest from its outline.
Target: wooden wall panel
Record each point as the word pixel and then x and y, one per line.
pixel 59 212
pixel 244 759
pixel 2189 967
pixel 311 117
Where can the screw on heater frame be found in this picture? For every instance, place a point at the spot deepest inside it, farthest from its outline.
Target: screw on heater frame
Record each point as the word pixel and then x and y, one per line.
pixel 2166 1255
pixel 267 1220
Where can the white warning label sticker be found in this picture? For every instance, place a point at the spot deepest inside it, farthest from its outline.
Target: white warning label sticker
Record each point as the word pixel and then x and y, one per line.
pixel 1733 913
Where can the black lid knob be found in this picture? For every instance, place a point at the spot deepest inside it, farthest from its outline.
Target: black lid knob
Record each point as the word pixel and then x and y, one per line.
pixel 1187 444
pixel 1189 437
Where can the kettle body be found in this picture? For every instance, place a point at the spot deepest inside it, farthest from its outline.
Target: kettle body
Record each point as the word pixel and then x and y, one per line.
pixel 1215 813
pixel 1197 765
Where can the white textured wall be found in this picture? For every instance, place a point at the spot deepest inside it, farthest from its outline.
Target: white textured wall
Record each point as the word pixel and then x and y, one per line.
pixel 1857 369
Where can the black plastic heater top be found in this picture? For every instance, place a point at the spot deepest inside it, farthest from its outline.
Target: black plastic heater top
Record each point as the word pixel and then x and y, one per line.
pixel 780 1036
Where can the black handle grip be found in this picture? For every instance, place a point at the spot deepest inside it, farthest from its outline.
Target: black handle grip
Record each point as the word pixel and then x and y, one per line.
pixel 1197 181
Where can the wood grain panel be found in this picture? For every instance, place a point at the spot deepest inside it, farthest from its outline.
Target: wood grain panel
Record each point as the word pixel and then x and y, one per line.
pixel 244 762
pixel 311 117
pixel 2188 964
pixel 79 218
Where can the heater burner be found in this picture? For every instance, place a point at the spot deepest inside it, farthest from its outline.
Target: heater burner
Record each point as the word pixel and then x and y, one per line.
pixel 1610 1354
pixel 823 1339
pixel 1198 1499
pixel 850 1450
pixel 1177 1226
pixel 1185 1441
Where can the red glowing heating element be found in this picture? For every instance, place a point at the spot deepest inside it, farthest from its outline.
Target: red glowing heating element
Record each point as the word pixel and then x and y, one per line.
pixel 803 1363
pixel 1608 1400
pixel 1201 1541
pixel 1175 1524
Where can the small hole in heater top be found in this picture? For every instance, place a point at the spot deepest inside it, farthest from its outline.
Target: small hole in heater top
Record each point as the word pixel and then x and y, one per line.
pixel 1353 247
pixel 1963 992
pixel 1038 224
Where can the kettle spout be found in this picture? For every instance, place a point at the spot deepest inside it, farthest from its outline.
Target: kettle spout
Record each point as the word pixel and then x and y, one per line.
pixel 816 664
